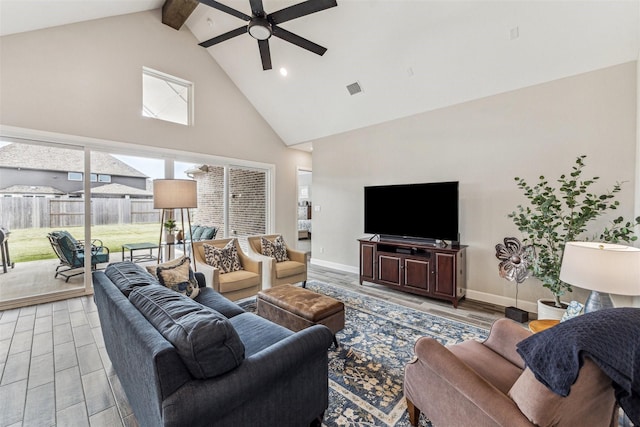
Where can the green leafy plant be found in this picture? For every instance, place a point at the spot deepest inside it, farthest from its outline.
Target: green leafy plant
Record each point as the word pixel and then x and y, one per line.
pixel 170 225
pixel 559 215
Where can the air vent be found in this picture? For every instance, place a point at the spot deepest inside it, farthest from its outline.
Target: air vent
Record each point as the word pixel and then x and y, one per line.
pixel 354 88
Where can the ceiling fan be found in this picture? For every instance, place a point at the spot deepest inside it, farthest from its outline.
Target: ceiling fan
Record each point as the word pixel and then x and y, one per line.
pixel 262 25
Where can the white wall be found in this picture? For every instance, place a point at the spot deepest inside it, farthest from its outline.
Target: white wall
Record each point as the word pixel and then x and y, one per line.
pixel 85 80
pixel 483 144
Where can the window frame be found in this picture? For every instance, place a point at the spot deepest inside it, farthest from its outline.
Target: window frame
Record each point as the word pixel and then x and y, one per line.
pixel 146 71
pixel 74 174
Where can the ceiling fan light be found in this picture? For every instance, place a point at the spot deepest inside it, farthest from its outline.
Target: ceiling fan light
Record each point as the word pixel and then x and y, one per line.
pixel 259 29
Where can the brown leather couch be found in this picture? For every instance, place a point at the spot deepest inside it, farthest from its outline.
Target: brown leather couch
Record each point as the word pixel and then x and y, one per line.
pixel 486 384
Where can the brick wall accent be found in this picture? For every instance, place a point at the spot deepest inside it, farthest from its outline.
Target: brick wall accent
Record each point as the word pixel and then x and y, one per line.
pixel 247 201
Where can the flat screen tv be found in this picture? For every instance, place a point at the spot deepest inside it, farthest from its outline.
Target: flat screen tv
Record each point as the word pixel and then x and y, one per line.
pixel 421 212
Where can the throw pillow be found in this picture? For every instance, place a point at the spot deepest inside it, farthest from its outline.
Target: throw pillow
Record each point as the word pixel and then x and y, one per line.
pixel 179 277
pixel 226 259
pixel 276 249
pixel 574 309
pixel 153 269
pixel 196 232
pixel 209 233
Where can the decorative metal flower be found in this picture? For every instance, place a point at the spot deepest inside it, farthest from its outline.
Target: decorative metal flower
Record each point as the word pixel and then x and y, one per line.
pixel 514 259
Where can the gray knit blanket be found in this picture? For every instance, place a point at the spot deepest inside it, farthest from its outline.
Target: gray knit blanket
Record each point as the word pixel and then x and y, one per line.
pixel 609 337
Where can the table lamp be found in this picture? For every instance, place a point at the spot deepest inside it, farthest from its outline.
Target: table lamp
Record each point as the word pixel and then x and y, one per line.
pixel 175 194
pixel 603 268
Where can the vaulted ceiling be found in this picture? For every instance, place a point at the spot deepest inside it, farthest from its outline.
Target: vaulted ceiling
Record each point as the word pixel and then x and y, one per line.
pixel 408 56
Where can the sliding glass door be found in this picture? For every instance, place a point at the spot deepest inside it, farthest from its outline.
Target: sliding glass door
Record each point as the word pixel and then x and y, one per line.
pixel 43 220
pixel 42 196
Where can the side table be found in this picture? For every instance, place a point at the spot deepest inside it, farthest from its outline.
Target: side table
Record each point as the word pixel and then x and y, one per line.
pixel 137 247
pixel 542 324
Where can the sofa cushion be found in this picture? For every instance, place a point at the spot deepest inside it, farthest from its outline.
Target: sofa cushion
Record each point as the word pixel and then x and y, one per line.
pixel 179 277
pixel 488 364
pixel 196 232
pixel 238 280
pixel 127 276
pixel 226 259
pixel 258 333
pixel 212 299
pixel 592 397
pixel 204 339
pixel 276 249
pixel 209 233
pixel 289 268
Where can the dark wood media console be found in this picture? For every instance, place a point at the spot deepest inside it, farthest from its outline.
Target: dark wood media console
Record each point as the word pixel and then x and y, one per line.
pixel 416 268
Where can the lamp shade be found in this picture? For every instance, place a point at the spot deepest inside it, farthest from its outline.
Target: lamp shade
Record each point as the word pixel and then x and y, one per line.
pixel 602 267
pixel 175 193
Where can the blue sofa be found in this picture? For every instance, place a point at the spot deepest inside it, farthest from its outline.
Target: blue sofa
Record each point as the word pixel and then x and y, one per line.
pixel 205 361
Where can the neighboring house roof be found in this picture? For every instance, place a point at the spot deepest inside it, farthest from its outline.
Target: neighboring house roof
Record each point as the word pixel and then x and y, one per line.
pixel 42 157
pixel 117 190
pixel 31 189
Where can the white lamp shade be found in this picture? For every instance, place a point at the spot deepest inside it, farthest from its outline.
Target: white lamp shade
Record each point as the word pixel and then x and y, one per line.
pixel 602 267
pixel 175 193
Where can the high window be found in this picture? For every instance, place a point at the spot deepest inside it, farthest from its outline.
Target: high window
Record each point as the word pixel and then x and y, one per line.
pixel 166 97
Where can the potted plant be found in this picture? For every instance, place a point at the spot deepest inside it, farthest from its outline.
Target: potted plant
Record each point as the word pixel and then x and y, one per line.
pixel 557 215
pixel 169 226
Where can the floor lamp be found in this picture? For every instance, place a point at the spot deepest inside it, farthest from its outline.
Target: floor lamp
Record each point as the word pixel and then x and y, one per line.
pixel 175 194
pixel 603 268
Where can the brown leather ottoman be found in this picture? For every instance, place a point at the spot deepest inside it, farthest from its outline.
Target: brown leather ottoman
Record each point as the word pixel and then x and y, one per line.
pixel 297 308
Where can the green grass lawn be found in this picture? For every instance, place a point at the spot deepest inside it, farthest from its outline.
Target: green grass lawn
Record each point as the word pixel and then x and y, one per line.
pixel 32 244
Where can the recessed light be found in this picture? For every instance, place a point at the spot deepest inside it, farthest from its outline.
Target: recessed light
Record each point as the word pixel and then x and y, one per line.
pixel 514 33
pixel 283 71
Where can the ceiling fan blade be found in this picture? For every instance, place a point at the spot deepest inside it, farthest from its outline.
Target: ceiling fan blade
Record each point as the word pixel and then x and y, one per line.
pixel 300 9
pixel 224 8
pixel 225 36
pixel 297 40
pixel 265 54
pixel 256 8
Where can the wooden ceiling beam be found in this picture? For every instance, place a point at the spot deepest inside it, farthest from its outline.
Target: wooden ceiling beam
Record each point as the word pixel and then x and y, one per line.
pixel 176 12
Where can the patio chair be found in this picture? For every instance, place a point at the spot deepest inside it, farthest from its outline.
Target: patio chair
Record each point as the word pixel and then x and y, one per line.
pixel 70 251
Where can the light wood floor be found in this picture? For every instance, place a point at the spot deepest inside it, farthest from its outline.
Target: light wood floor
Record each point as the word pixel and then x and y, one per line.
pixel 55 370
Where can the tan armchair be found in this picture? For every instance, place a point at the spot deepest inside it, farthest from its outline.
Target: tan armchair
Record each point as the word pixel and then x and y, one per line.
pixel 236 284
pixel 279 273
pixel 486 384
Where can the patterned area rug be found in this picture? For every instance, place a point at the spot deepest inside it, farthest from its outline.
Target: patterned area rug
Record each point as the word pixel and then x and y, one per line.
pixel 366 373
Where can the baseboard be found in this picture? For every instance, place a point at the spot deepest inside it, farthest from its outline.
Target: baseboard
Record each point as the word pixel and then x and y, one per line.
pixel 335 266
pixel 531 307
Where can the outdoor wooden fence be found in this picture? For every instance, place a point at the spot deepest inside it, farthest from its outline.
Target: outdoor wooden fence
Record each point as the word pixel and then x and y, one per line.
pixel 39 212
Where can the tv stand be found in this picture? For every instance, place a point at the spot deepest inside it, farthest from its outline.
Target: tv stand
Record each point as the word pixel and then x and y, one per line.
pixel 421 268
pixel 423 242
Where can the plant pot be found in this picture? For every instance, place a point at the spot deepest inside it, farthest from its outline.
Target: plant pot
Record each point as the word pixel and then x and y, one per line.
pixel 548 310
pixel 169 238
